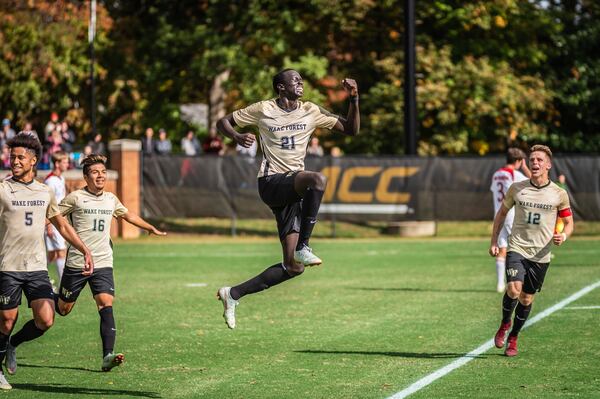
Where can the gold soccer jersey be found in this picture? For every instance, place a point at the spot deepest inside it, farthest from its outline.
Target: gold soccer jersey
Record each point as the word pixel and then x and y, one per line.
pixel 91 216
pixel 536 209
pixel 284 135
pixel 23 212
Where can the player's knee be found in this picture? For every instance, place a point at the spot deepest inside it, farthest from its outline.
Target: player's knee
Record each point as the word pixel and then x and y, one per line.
pixel 525 299
pixel 45 323
pixel 320 181
pixel 7 325
pixel 513 291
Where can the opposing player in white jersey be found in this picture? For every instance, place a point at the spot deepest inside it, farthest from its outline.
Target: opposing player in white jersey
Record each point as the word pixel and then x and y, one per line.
pixel 91 210
pixel 55 243
pixel 25 205
pixel 294 195
pixel 502 179
pixel 538 203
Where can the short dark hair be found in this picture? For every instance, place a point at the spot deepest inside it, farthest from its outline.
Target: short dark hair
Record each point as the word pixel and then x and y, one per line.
pixel 542 148
pixel 514 154
pixel 278 78
pixel 28 141
pixel 90 160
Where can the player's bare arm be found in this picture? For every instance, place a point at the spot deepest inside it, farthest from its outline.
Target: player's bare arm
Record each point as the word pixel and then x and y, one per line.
pixel 226 125
pixel 136 220
pixel 351 124
pixel 69 234
pixel 498 223
pixel 559 237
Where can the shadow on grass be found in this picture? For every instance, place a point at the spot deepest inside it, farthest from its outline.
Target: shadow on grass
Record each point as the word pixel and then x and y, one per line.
pixel 37 366
pixel 416 355
pixel 175 227
pixel 71 390
pixel 413 289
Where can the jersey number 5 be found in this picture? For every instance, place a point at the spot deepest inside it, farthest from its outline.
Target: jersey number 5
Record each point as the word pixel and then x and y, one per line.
pixel 288 143
pixel 28 218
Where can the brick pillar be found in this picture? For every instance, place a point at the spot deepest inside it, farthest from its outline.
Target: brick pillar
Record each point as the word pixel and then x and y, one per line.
pixel 125 159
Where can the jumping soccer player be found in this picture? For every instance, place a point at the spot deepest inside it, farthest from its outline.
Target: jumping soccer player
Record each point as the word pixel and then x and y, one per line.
pixel 24 206
pixel 501 181
pixel 55 244
pixel 294 195
pixel 91 210
pixel 537 203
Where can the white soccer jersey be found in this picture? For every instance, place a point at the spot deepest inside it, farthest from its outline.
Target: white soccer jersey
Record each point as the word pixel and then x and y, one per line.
pixel 502 179
pixel 57 184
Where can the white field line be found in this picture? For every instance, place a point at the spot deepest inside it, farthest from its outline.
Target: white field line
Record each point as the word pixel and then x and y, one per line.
pixel 428 379
pixel 583 307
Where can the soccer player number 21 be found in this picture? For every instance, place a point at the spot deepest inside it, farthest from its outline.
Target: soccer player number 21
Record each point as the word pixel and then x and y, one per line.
pixel 288 143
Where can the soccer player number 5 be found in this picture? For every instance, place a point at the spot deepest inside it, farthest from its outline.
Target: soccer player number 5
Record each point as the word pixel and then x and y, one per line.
pixel 28 218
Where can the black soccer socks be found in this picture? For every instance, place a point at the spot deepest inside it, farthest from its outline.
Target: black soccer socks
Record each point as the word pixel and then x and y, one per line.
pixel 310 208
pixel 521 315
pixel 3 344
pixel 508 306
pixel 268 278
pixel 108 331
pixel 28 332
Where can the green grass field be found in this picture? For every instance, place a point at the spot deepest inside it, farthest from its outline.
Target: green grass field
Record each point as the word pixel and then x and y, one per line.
pixel 376 317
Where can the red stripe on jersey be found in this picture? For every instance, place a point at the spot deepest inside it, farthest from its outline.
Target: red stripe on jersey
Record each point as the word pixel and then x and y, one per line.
pixel 563 213
pixel 49 176
pixel 509 170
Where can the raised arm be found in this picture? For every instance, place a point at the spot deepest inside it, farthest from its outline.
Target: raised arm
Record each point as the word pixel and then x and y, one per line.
pixel 69 234
pixel 498 223
pixel 226 125
pixel 142 224
pixel 351 124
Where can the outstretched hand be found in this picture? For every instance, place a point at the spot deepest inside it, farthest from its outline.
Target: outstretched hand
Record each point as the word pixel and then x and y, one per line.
pixel 157 232
pixel 350 86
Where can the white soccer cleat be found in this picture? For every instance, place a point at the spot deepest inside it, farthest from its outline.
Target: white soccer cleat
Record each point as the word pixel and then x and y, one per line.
pixel 3 383
pixel 306 257
pixel 11 359
pixel 229 305
pixel 112 360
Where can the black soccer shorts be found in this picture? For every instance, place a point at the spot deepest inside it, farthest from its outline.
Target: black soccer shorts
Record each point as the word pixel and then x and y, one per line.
pixel 36 285
pixel 101 282
pixel 530 273
pixel 277 191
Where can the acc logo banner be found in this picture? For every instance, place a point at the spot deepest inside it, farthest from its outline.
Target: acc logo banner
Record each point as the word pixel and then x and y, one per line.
pixel 340 184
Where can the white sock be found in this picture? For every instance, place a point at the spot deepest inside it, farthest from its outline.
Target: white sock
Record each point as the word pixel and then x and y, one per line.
pixel 60 266
pixel 500 269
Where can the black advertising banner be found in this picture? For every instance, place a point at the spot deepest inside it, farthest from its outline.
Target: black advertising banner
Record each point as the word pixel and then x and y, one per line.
pixel 359 188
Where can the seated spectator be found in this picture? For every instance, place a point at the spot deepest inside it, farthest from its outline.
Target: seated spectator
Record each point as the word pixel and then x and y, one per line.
pixel 163 145
pixel 28 128
pixel 55 142
pixel 314 148
pixel 190 144
pixel 5 157
pixel 212 144
pixel 96 145
pixel 148 142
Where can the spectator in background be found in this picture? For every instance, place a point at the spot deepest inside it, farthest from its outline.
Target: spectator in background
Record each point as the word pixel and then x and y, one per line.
pixel 336 152
pixel 96 145
pixel 28 128
pixel 7 131
pixel 55 142
pixel 163 145
pixel 5 157
pixel 314 148
pixel 190 144
pixel 562 182
pixel 212 144
pixel 51 125
pixel 148 142
pixel 68 136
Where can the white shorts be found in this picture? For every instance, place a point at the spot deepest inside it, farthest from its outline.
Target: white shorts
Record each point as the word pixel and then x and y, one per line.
pixel 503 236
pixel 56 243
